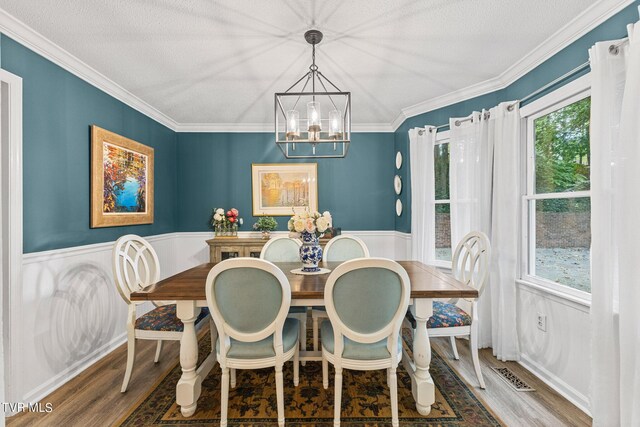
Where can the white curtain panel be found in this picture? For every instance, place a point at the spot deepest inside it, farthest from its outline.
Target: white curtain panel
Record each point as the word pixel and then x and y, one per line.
pixel 471 154
pixel 504 137
pixel 615 201
pixel 421 162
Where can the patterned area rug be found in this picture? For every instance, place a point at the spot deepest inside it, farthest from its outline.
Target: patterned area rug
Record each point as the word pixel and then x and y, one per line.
pixel 365 399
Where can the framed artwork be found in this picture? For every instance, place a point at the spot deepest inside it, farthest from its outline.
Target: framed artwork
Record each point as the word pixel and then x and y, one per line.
pixel 279 188
pixel 121 180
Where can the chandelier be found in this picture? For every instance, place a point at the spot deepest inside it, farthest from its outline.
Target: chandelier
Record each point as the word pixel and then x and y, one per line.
pixel 325 132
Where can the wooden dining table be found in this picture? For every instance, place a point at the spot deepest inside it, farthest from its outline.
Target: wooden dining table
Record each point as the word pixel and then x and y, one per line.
pixel 187 289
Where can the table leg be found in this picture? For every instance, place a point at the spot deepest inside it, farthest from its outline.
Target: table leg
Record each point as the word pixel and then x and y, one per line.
pixel 422 386
pixel 188 388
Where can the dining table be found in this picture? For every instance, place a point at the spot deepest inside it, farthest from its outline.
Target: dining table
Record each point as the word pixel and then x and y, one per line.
pixel 187 289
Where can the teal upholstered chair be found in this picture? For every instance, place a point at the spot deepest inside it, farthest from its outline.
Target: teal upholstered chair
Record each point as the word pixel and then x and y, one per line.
pixel 340 248
pixel 249 299
pixel 135 268
pixel 366 300
pixel 285 249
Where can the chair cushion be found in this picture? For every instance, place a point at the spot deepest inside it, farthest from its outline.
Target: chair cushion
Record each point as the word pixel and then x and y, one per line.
pixel 355 350
pixel 164 319
pixel 447 315
pixel 263 348
pixel 319 308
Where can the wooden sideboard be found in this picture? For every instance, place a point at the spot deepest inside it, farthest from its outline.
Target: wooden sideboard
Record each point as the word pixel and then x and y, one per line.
pixel 221 248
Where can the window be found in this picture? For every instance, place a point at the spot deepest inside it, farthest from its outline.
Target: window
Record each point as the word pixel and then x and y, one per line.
pixel 442 208
pixel 557 204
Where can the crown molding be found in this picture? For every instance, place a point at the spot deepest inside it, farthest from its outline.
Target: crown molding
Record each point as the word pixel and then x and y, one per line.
pixel 268 127
pixel 581 24
pixel 450 98
pixel 25 35
pixel 576 28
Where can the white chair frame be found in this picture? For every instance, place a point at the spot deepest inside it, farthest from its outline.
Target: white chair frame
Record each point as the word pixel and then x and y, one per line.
pixel 226 332
pixel 391 332
pixel 302 317
pixel 318 315
pixel 145 267
pixel 470 265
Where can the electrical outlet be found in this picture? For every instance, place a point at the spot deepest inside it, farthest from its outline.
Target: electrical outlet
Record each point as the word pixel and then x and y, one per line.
pixel 542 322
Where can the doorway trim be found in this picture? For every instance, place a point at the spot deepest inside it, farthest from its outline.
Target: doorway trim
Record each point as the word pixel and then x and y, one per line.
pixel 12 294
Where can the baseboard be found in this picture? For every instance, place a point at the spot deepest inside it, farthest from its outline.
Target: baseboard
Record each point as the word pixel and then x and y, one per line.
pixel 60 379
pixel 552 380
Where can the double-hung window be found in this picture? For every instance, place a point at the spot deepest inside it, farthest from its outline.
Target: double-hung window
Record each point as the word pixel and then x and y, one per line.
pixel 557 203
pixel 442 203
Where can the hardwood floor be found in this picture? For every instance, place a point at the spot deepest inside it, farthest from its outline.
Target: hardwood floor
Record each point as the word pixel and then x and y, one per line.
pixel 94 399
pixel 544 407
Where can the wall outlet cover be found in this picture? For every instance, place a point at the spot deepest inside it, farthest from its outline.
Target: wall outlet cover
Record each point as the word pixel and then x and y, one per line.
pixel 542 322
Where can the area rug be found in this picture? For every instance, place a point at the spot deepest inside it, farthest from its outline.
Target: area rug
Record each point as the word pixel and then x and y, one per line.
pixel 365 399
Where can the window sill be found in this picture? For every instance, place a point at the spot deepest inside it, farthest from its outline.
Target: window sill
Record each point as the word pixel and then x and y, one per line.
pixel 584 302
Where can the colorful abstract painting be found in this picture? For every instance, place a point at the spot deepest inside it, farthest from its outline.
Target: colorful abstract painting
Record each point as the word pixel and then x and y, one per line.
pixel 278 189
pixel 125 180
pixel 121 180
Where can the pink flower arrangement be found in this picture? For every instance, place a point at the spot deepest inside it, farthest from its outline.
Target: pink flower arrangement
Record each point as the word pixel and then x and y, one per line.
pixel 220 218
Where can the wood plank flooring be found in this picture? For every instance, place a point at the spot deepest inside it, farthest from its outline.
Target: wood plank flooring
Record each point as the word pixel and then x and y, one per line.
pixel 94 399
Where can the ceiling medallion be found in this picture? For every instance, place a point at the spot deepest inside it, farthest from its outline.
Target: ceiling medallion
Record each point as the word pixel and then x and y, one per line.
pixel 325 132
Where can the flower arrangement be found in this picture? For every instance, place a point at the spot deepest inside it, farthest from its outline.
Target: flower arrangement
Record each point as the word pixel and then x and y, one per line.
pixel 226 224
pixel 310 222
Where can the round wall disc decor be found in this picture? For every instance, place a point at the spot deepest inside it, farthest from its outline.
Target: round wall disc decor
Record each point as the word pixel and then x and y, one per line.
pixel 398 207
pixel 398 160
pixel 397 184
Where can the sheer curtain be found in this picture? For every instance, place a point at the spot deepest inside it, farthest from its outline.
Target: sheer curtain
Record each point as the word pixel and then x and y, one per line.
pixel 423 227
pixel 485 192
pixel 615 201
pixel 470 158
pixel 504 133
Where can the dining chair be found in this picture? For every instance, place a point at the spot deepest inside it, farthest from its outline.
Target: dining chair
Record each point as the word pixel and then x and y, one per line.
pixel 459 317
pixel 285 249
pixel 366 300
pixel 340 248
pixel 135 268
pixel 249 299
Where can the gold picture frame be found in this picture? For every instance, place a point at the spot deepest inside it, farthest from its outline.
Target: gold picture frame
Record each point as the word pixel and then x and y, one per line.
pixel 121 180
pixel 277 189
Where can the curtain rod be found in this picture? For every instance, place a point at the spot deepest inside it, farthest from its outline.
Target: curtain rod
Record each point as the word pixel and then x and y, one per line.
pixel 614 49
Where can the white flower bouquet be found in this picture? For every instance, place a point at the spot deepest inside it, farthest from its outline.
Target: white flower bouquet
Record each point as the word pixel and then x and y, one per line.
pixel 310 222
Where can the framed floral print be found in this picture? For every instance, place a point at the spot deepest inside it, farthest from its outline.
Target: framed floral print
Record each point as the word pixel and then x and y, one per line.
pixel 121 180
pixel 280 188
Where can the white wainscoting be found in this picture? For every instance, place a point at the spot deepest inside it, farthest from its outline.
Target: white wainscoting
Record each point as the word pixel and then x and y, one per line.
pixel 561 355
pixel 72 315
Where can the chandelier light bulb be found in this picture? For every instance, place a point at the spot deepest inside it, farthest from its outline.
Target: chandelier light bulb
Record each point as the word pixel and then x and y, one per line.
pixel 335 124
pixel 293 125
pixel 314 120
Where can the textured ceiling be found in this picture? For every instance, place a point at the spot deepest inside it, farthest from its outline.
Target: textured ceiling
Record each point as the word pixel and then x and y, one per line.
pixel 206 61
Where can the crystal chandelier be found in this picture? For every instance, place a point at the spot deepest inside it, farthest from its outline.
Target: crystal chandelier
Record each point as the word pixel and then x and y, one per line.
pixel 325 132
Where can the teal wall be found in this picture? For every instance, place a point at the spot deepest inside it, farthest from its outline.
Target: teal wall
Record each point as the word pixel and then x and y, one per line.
pixel 58 109
pixel 564 61
pixel 214 169
pixel 195 172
